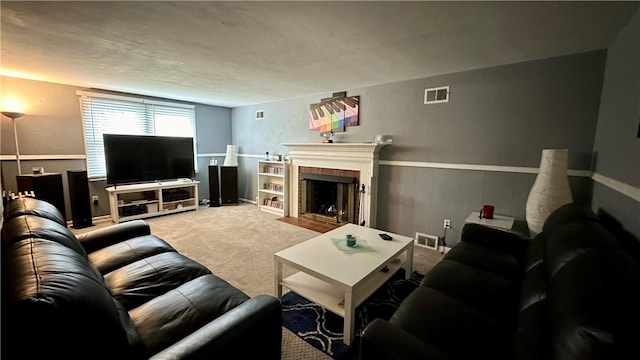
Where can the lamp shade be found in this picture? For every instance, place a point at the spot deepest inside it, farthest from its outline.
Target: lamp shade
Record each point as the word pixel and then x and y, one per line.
pixel 12 114
pixel 231 157
pixel 550 190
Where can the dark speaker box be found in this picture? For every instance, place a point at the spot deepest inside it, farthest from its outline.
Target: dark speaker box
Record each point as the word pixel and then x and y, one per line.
pixel 80 199
pixel 229 185
pixel 214 186
pixel 46 186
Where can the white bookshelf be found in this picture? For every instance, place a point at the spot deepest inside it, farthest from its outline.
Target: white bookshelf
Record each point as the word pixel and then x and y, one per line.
pixel 273 187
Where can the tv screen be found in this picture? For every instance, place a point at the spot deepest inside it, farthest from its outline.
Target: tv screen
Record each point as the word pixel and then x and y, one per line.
pixel 142 158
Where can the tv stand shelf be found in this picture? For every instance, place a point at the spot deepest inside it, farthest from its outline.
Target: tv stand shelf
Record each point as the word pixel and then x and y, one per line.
pixel 139 201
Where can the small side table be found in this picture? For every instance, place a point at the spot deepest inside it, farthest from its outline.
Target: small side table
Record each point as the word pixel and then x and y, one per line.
pixel 499 222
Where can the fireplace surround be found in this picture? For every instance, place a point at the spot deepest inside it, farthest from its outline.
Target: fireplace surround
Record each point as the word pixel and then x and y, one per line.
pixel 356 160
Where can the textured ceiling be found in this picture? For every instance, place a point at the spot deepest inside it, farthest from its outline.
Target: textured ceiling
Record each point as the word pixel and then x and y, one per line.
pixel 239 53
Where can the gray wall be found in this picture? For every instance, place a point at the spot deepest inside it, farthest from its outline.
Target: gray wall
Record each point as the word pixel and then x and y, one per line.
pixel 501 116
pixel 51 131
pixel 213 126
pixel 617 147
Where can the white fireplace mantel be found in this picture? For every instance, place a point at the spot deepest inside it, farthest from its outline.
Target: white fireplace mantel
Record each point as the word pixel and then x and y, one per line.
pixel 362 157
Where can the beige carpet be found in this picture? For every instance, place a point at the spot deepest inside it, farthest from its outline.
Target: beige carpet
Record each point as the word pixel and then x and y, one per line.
pixel 237 243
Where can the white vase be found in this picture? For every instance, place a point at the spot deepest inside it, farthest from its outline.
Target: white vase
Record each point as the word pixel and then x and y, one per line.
pixel 550 189
pixel 231 158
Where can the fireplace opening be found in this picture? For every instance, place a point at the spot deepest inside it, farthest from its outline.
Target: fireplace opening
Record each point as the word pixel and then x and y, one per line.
pixel 328 198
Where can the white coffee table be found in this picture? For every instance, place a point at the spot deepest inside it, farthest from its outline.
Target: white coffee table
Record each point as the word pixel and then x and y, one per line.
pixel 340 280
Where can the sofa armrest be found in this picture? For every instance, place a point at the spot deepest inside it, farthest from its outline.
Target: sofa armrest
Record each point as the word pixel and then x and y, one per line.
pixel 383 340
pixel 100 238
pixel 495 239
pixel 255 325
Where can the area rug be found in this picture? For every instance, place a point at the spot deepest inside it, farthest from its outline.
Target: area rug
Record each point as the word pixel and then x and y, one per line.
pixel 323 329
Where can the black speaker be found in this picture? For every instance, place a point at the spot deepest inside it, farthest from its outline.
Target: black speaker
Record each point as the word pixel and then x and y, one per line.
pixel 46 186
pixel 80 199
pixel 214 186
pixel 229 185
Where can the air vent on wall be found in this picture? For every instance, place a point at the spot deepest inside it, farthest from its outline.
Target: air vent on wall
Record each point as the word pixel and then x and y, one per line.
pixel 429 241
pixel 260 115
pixel 436 95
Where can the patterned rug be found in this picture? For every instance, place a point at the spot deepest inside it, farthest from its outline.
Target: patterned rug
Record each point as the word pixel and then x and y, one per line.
pixel 323 329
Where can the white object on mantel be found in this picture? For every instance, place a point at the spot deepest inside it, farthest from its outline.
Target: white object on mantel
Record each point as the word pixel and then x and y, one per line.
pixel 231 158
pixel 550 189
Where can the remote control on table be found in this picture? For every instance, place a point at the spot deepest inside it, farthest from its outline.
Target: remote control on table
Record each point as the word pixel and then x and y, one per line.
pixel 385 236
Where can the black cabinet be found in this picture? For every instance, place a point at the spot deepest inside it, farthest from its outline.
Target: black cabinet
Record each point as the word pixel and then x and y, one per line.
pixel 46 186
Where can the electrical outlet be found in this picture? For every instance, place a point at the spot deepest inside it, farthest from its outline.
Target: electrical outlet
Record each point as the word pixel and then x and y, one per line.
pixel 94 199
pixel 447 223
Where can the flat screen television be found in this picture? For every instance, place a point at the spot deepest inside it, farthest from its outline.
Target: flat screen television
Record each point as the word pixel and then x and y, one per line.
pixel 134 159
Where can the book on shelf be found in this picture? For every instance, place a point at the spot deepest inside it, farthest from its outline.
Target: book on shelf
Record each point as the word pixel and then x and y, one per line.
pixel 273 187
pixel 274 203
pixel 276 170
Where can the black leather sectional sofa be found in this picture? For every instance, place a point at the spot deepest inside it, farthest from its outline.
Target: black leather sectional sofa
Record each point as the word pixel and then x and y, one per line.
pixel 119 293
pixel 572 292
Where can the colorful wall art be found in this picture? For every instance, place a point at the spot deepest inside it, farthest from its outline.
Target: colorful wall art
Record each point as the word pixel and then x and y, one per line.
pixel 334 113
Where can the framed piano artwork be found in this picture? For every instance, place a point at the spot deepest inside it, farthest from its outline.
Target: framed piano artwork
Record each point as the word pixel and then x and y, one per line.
pixel 334 114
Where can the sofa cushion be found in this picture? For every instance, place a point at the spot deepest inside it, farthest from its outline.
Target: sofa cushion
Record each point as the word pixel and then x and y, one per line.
pixel 170 317
pixel 54 300
pixel 531 338
pixel 494 239
pixel 576 239
pixel 481 290
pixel 127 252
pixel 24 226
pixel 36 207
pixel 535 253
pixel 138 282
pixel 486 259
pixel 567 214
pixel 442 321
pixel 593 307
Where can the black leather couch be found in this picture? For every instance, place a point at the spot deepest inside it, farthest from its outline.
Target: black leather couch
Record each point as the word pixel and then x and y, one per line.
pixel 572 292
pixel 119 292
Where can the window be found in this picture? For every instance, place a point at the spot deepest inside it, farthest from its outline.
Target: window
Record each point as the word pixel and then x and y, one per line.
pixel 113 114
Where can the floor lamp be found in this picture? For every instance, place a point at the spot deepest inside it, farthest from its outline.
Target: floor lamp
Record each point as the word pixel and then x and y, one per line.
pixel 550 190
pixel 13 116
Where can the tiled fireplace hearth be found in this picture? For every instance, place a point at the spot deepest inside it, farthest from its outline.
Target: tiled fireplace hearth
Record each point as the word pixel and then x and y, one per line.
pixel 343 161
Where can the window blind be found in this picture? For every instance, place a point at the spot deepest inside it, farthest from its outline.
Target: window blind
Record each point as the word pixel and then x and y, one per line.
pixel 118 115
